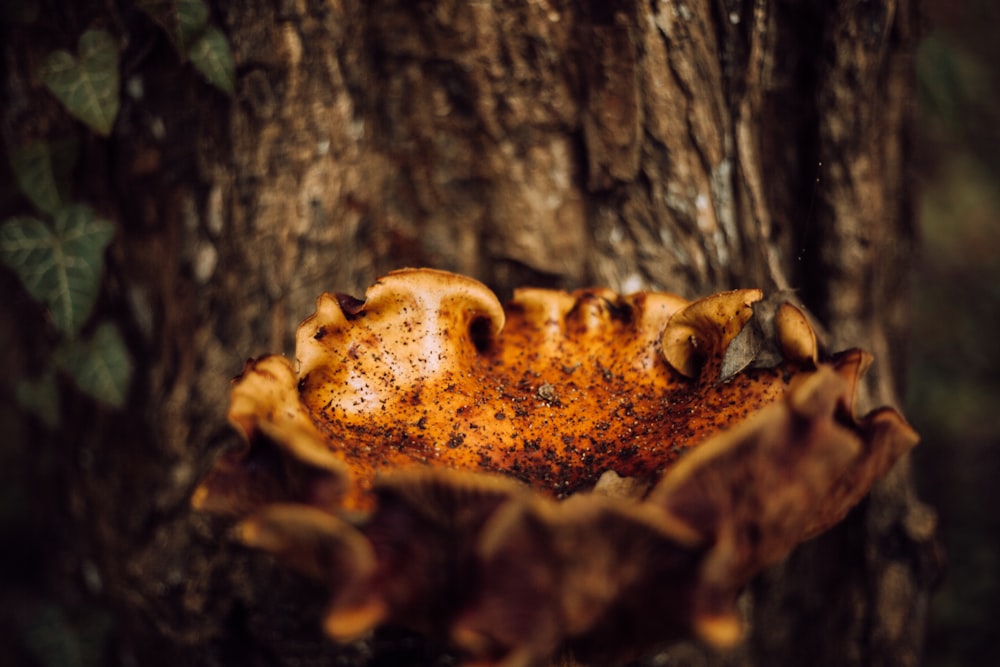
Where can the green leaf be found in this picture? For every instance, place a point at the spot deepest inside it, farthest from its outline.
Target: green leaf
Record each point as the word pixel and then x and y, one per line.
pixel 183 20
pixel 40 397
pixel 49 637
pixel 88 86
pixel 211 56
pixel 42 171
pixel 60 267
pixel 100 367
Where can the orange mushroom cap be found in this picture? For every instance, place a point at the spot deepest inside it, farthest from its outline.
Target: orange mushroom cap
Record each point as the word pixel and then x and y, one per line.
pixel 538 477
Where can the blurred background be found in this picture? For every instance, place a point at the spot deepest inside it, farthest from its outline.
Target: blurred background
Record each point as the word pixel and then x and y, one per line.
pixel 954 387
pixel 953 390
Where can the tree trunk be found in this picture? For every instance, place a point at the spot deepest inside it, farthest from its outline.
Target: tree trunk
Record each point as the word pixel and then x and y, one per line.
pixel 682 146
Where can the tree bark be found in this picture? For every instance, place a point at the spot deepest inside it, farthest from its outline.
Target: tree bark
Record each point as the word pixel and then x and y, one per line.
pixel 683 146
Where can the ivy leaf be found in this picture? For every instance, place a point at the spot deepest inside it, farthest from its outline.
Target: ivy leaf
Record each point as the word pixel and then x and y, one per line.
pixel 88 86
pixel 40 397
pixel 183 20
pixel 186 23
pixel 100 367
pixel 49 637
pixel 211 56
pixel 42 171
pixel 60 267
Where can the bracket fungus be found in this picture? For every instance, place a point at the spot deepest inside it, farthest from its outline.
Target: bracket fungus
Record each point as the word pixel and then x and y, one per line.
pixel 581 473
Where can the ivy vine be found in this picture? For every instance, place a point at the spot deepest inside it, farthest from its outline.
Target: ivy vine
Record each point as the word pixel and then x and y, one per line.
pixel 58 253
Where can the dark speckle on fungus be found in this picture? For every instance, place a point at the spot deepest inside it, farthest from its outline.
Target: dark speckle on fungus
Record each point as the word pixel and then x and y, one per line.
pixel 595 473
pixel 547 392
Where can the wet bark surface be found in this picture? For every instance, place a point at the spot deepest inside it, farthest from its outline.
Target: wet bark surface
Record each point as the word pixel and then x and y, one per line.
pixel 689 147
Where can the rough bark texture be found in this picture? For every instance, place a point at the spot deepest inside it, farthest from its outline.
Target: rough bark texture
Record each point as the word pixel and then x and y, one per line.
pixel 686 146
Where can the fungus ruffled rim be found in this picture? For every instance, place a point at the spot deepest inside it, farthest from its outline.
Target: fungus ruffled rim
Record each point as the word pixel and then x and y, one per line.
pixel 574 472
